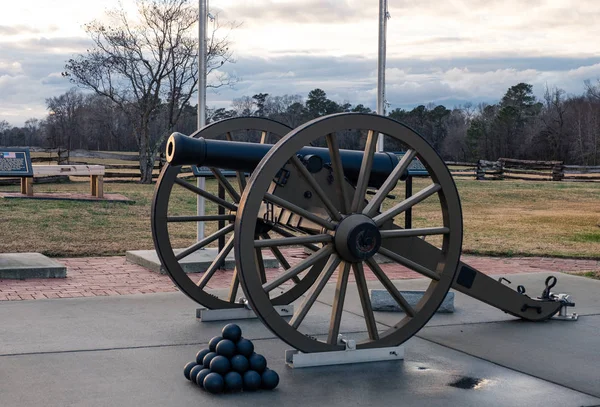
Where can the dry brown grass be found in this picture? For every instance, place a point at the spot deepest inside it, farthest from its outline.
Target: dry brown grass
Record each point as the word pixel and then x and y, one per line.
pixel 500 218
pixel 590 274
pixel 530 218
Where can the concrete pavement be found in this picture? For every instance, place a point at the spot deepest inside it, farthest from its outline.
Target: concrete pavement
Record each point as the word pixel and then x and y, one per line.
pixel 131 349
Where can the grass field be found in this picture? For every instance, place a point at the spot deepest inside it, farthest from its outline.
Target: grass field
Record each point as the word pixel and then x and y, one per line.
pixel 500 218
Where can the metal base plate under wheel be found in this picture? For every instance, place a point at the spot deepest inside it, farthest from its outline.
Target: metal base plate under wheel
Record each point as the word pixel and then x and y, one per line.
pixel 245 312
pixel 231 314
pixel 296 359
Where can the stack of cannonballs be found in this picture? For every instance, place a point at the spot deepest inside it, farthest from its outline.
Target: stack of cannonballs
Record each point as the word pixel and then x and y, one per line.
pixel 231 365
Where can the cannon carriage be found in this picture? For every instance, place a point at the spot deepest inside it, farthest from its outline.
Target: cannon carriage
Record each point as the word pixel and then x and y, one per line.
pixel 337 204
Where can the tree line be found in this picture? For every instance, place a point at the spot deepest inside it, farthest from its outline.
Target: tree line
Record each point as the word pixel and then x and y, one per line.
pixel 556 127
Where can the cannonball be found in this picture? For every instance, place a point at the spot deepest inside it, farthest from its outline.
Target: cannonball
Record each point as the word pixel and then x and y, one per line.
pixel 226 348
pixel 207 359
pixel 257 362
pixel 269 379
pixel 245 347
pixel 239 363
pixel 232 332
pixel 188 368
pixel 200 355
pixel 214 383
pixel 201 376
pixel 233 382
pixel 220 364
pixel 251 380
pixel 194 372
pixel 212 344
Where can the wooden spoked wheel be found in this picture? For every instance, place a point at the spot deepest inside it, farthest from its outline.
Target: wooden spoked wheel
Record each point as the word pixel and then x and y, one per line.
pixel 352 231
pixel 166 220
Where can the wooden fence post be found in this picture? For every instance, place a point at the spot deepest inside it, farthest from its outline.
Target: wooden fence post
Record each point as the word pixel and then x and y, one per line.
pixel 495 170
pixel 558 172
pixel 480 176
pixel 63 157
pixel 500 169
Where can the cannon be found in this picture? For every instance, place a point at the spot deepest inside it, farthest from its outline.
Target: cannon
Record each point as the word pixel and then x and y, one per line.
pixel 338 205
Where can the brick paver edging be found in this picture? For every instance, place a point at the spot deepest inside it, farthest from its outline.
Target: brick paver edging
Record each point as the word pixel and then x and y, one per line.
pixel 102 276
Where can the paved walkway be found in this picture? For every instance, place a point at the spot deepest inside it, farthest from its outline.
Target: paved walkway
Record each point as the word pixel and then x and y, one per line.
pixel 102 276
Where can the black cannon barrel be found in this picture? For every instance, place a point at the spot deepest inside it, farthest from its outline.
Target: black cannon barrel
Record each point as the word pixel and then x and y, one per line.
pixel 240 156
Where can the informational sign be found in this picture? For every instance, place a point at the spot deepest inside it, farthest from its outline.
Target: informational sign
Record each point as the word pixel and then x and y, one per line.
pixel 416 167
pixel 15 162
pixel 201 171
pixel 205 172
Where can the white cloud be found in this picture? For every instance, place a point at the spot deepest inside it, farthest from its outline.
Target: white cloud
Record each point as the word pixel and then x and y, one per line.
pixel 438 51
pixel 10 68
pixel 409 82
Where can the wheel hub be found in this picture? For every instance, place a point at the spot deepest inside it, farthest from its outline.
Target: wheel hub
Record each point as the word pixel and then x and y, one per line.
pixel 357 238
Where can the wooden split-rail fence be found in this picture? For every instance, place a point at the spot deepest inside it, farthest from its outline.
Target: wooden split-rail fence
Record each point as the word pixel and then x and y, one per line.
pixel 503 168
pixel 529 170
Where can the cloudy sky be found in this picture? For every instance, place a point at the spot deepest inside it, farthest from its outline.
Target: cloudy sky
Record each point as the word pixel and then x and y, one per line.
pixel 445 52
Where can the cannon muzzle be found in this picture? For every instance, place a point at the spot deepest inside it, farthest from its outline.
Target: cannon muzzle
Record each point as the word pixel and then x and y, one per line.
pixel 240 156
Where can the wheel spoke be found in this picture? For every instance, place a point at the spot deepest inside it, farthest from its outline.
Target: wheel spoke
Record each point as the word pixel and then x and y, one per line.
pixel 389 184
pixel 233 288
pixel 388 234
pixel 210 271
pixel 298 268
pixel 204 218
pixel 390 287
pixel 285 233
pixel 226 184
pixel 277 253
pixel 206 194
pixel 280 258
pixel 363 293
pixel 406 204
pixel 409 263
pixel 338 172
pixel 315 290
pixel 204 242
pixel 365 171
pixel 312 182
pixel 338 303
pixel 299 211
pixel 241 177
pixel 260 262
pixel 298 240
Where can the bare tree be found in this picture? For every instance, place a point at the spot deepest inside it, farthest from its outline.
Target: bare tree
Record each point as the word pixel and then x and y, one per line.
pixel 553 132
pixel 149 69
pixel 65 116
pixel 4 126
pixel 593 90
pixel 32 128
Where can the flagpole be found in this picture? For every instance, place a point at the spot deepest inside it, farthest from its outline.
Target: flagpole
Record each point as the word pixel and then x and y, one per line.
pixel 383 16
pixel 201 181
